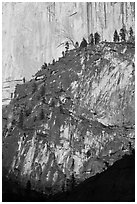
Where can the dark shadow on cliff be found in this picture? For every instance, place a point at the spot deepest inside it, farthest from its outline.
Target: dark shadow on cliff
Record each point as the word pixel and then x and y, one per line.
pixel 117 183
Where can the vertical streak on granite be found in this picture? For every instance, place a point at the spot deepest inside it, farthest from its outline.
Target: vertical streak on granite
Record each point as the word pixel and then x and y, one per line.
pixel 32 33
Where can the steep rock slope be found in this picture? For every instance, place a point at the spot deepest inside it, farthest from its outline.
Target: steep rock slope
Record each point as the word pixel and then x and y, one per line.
pixel 39 29
pixel 115 184
pixel 73 120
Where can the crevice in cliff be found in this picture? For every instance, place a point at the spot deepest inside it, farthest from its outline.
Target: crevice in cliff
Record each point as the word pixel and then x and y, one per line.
pixel 69 123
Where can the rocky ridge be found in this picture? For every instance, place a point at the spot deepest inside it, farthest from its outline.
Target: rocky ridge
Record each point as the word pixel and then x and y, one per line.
pixel 73 120
pixel 33 33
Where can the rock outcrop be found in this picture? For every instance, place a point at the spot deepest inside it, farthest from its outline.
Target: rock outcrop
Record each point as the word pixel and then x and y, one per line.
pixel 73 120
pixel 34 33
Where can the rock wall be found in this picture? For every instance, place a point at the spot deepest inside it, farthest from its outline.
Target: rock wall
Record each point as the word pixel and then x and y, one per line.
pixel 76 120
pixel 105 17
pixel 33 33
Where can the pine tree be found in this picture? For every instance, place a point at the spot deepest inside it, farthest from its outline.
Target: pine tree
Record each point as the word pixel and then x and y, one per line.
pixel 131 36
pixel 24 80
pixel 67 47
pixel 83 43
pixel 63 54
pixel 96 38
pixel 11 95
pixel 122 34
pixel 76 45
pixel 45 65
pixel 116 36
pixel 91 39
pixel 53 62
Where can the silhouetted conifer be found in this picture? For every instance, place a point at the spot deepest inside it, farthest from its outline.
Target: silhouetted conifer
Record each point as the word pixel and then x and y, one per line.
pixel 11 95
pixel 116 36
pixel 67 47
pixel 76 45
pixel 83 43
pixel 122 34
pixel 15 92
pixel 24 80
pixel 53 62
pixel 63 54
pixel 91 39
pixel 96 38
pixel 131 36
pixel 44 66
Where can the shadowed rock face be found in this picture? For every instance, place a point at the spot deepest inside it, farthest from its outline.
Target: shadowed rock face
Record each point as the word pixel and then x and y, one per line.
pixel 76 118
pixel 116 184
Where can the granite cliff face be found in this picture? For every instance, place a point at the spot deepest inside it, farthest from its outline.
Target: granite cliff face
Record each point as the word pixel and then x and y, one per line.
pixel 73 120
pixel 34 33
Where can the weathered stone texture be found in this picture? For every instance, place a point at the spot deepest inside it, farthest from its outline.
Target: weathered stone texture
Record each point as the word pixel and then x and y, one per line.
pixel 79 117
pixel 33 33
